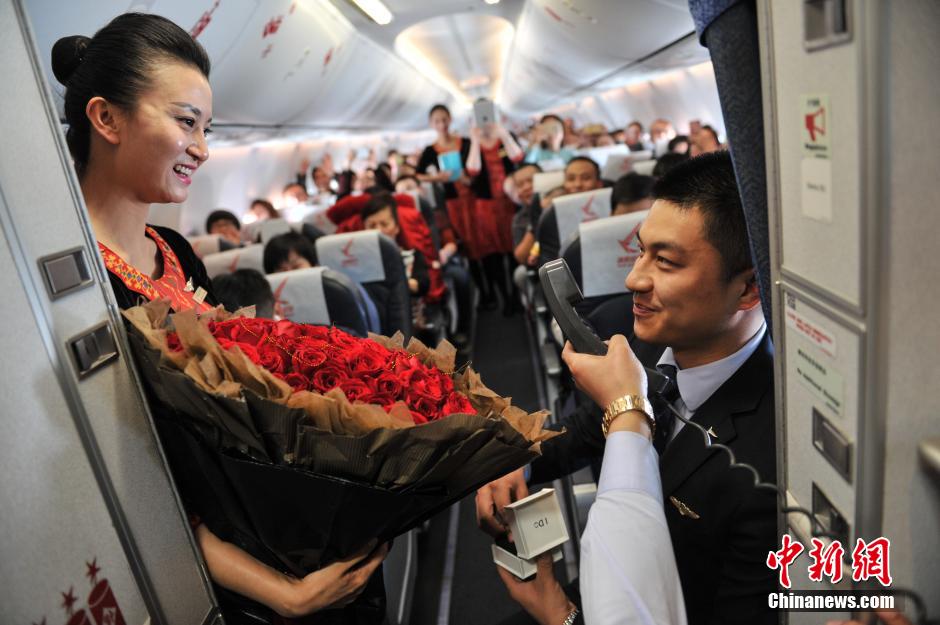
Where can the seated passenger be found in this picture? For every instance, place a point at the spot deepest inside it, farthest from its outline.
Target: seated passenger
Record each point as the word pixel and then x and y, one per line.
pixel 225 224
pixel 381 213
pixel 634 137
pixel 292 250
pixel 705 141
pixel 262 209
pixel 581 174
pixel 547 142
pixel 453 268
pixel 661 133
pixel 679 145
pixel 632 193
pixel 245 287
pixel 528 210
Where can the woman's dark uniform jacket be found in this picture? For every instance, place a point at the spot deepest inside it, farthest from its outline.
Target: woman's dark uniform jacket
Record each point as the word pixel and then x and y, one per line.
pixel 721 556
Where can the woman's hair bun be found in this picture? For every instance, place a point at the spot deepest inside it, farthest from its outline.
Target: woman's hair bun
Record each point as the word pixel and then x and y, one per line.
pixel 67 55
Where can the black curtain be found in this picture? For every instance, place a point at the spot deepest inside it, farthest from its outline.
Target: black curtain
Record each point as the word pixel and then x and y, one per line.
pixel 731 39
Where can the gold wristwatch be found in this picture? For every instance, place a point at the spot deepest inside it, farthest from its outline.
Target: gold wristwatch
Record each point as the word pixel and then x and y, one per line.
pixel 625 403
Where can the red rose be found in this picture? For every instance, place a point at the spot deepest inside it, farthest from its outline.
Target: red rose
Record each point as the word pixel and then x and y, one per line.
pixel 173 342
pixel 327 377
pixel 243 330
pixel 457 403
pixel 316 332
pixel 286 328
pixel 250 352
pixel 297 381
pixel 306 358
pixel 272 359
pixel 425 405
pixel 356 389
pixel 382 399
pixel 341 339
pixel 431 385
pixel 361 360
pixel 418 418
pixel 387 383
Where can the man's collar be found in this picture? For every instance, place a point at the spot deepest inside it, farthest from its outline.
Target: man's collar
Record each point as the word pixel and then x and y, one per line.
pixel 697 384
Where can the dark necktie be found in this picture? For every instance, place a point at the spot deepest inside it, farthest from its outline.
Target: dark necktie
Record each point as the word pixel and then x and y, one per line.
pixel 665 419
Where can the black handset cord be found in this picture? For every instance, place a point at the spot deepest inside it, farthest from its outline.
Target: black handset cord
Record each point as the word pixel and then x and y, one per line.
pixel 921 610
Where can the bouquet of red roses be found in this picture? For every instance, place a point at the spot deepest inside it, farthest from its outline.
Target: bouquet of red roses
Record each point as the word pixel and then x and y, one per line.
pixel 302 443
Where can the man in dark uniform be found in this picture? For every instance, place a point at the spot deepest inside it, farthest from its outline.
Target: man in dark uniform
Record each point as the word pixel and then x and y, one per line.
pixel 694 292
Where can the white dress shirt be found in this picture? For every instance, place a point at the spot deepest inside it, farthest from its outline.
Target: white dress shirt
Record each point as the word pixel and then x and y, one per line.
pixel 628 569
pixel 697 384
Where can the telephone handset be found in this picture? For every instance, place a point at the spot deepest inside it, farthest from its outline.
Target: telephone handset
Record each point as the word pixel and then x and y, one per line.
pixel 561 294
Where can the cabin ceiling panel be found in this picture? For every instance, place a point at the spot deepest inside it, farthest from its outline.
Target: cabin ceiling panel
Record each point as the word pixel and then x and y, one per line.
pixel 273 62
pixel 563 47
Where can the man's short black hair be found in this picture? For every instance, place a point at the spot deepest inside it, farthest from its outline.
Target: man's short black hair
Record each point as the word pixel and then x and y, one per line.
pixel 707 183
pixel 667 163
pixel 523 165
pixel 408 177
pixel 377 203
pixel 221 215
pixel 244 287
pixel 585 159
pixel 631 188
pixel 676 141
pixel 278 249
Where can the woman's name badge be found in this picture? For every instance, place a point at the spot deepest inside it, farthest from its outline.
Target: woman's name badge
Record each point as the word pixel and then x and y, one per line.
pixel 189 286
pixel 200 295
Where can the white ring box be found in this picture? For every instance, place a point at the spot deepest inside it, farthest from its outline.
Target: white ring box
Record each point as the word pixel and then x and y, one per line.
pixel 537 526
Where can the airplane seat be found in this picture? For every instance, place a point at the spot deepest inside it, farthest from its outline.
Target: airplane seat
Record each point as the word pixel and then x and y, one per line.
pixel 248 257
pixel 319 296
pixel 546 233
pixel 644 168
pixel 573 256
pixel 373 260
pixel 209 244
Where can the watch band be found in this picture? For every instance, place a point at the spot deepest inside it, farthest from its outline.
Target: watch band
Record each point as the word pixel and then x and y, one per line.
pixel 625 403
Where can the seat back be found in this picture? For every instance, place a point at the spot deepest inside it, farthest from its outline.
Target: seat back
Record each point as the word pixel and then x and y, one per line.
pixel 545 181
pixel 572 210
pixel 608 249
pixel 270 228
pixel 319 220
pixel 320 296
pixel 602 155
pixel 616 166
pixel 373 260
pixel 206 244
pixel 248 257
pixel 644 167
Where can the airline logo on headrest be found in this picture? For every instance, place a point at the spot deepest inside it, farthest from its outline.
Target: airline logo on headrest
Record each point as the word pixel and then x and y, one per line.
pixel 349 260
pixel 587 211
pixel 630 247
pixel 282 307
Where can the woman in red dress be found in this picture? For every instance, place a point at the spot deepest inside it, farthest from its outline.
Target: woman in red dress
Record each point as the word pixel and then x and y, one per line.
pixel 139 106
pixel 493 156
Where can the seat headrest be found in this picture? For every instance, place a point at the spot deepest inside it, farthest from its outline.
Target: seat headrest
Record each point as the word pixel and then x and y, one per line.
pixel 206 244
pixel 318 219
pixel 271 228
pixel 601 155
pixel 300 296
pixel 571 210
pixel 248 257
pixel 644 167
pixel 545 181
pixel 357 254
pixel 617 165
pixel 608 250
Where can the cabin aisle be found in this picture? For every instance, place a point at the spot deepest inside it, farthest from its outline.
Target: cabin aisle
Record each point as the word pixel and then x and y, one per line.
pixel 476 594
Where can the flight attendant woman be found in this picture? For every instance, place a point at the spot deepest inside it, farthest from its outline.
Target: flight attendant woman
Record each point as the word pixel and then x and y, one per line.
pixel 138 107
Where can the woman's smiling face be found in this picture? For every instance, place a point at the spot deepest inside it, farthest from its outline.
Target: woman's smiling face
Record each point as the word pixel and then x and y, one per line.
pixel 163 139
